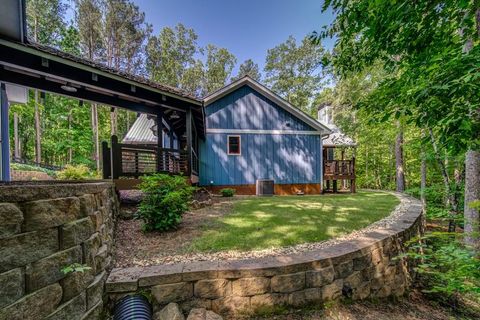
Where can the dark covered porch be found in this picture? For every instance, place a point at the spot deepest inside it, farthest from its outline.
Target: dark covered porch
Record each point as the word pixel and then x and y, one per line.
pixel 177 116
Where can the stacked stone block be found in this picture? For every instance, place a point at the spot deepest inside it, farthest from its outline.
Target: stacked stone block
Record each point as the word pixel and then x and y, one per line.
pixel 44 228
pixel 365 267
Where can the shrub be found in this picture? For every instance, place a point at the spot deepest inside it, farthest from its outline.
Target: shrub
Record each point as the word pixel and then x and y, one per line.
pixel 227 192
pixel 445 265
pixel 76 172
pixel 166 199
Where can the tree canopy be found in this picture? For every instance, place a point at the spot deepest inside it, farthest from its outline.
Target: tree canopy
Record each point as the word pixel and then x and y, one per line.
pixel 294 71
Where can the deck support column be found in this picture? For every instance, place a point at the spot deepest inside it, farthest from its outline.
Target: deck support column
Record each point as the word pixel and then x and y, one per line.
pixel 4 136
pixel 188 119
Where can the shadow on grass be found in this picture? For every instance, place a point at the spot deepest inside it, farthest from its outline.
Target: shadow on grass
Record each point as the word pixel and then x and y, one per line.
pixel 260 223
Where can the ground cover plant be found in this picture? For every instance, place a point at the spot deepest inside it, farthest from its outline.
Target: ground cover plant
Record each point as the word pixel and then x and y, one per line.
pixel 227 192
pixel 259 223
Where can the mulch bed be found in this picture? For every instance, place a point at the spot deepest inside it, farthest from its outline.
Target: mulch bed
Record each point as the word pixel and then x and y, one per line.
pixel 136 248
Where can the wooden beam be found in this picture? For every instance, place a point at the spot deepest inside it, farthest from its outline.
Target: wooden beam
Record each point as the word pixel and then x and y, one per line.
pixel 62 68
pixel 106 160
pixel 116 158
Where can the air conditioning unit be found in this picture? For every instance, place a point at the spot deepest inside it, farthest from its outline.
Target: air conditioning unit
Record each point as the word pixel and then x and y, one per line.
pixel 265 187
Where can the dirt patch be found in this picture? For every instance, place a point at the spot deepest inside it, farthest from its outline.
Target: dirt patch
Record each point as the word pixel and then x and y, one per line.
pixel 413 307
pixel 136 248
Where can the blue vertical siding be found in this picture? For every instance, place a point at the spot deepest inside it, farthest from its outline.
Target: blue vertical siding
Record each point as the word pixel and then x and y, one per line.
pixel 285 158
pixel 247 109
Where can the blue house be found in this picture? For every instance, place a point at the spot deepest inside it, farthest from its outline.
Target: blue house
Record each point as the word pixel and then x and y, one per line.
pixel 251 134
pixel 234 137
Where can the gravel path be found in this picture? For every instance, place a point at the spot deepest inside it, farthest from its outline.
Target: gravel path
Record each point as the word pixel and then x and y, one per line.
pixel 134 248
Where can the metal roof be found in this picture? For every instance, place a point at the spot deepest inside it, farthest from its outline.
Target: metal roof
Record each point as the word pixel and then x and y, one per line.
pixel 141 131
pixel 337 138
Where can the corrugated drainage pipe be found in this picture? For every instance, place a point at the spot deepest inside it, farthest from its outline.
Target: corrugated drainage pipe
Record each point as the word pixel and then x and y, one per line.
pixel 134 307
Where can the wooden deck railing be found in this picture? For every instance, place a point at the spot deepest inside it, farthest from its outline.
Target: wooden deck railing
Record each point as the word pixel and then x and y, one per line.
pixel 339 169
pixel 135 160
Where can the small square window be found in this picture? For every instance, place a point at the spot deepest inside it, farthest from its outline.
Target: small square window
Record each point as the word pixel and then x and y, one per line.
pixel 234 145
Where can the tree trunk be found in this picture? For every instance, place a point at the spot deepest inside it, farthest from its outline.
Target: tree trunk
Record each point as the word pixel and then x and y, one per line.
pixel 400 174
pixel 113 121
pixel 96 142
pixel 70 149
pixel 38 131
pixel 16 139
pixel 451 203
pixel 472 193
pixel 423 179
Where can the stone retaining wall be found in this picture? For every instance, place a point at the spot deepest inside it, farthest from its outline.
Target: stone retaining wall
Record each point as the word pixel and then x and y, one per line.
pixel 45 227
pixel 359 268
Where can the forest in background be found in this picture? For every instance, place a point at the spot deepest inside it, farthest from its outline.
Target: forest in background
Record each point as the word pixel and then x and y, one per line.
pixel 58 130
pixel 392 144
pixel 403 80
pixel 407 88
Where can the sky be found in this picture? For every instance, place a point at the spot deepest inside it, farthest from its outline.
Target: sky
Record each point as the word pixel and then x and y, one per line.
pixel 247 28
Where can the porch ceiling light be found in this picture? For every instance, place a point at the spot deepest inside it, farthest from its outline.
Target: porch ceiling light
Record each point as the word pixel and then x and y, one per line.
pixel 174 115
pixel 68 87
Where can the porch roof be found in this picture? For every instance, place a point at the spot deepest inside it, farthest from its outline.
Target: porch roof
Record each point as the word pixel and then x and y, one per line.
pixel 48 69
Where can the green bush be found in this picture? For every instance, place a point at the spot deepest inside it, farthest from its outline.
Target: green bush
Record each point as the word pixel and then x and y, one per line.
pixel 227 192
pixel 444 265
pixel 76 172
pixel 166 199
pixel 435 196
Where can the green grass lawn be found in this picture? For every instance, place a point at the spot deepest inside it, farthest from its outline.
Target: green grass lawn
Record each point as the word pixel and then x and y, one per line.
pixel 272 222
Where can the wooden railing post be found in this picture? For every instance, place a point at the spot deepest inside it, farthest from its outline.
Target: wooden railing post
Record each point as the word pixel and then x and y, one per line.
pixel 106 161
pixel 353 181
pixel 116 156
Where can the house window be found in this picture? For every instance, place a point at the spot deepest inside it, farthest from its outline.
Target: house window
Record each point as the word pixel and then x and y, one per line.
pixel 234 145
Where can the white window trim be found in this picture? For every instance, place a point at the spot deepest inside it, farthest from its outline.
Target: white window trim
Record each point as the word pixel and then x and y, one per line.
pixel 239 145
pixel 274 132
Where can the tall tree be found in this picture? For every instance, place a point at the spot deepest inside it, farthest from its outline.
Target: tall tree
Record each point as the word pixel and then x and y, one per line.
pixel 294 71
pixel 89 21
pixel 45 20
pixel 70 42
pixel 399 160
pixel 44 24
pixel 88 17
pixel 218 68
pixel 171 54
pixel 432 51
pixel 250 68
pixel 124 33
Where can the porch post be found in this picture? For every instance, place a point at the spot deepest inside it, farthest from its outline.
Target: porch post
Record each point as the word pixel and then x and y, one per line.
pixel 189 141
pixel 4 136
pixel 159 139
